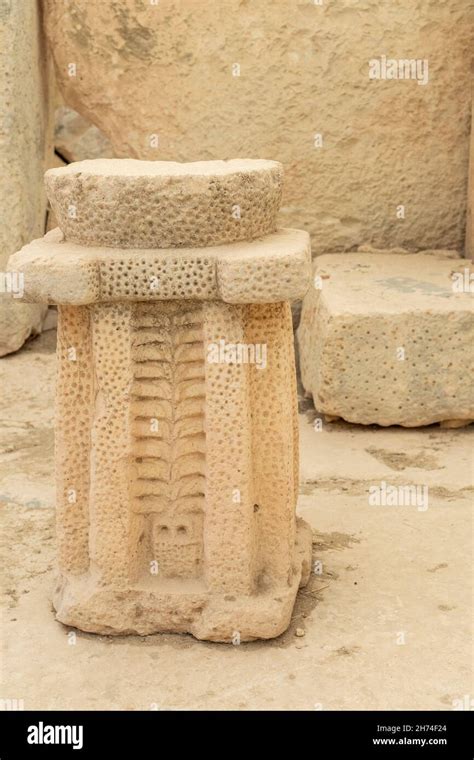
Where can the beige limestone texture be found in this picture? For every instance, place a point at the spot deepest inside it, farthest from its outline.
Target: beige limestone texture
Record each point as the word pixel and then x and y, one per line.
pixel 25 152
pixel 387 339
pixel 366 248
pixel 160 80
pixel 176 464
pixel 274 268
pixel 469 248
pixel 437 252
pixel 163 204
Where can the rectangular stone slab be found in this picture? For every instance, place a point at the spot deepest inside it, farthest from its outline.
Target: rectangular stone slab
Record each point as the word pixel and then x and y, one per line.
pixel 268 270
pixel 388 339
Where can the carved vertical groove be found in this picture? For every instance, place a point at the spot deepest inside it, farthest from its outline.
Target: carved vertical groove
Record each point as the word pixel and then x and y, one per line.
pixel 168 438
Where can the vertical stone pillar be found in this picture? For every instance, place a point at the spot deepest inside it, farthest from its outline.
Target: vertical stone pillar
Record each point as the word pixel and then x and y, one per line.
pixel 273 402
pixel 177 461
pixel 73 419
pixel 109 491
pixel 26 150
pixel 230 539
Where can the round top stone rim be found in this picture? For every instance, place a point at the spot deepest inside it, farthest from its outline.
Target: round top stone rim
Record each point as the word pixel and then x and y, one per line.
pixel 128 203
pixel 136 168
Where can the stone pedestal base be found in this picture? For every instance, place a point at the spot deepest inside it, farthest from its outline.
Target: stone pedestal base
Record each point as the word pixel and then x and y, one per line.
pixel 176 413
pixel 176 606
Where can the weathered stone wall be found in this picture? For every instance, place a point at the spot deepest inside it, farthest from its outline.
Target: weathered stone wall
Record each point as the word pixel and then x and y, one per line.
pixel 159 78
pixel 469 248
pixel 25 152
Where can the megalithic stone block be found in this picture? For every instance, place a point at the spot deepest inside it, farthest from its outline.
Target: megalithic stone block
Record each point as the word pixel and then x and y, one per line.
pixel 176 437
pixel 386 338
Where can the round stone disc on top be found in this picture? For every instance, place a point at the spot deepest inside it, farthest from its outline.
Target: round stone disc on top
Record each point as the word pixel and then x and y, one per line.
pixel 126 203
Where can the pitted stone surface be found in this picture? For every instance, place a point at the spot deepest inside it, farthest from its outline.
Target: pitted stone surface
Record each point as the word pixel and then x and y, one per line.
pixel 183 471
pixel 125 203
pixel 275 268
pixel 387 339
pixel 177 452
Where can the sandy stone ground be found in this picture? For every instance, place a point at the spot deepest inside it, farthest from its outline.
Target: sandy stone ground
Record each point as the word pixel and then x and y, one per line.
pixel 386 624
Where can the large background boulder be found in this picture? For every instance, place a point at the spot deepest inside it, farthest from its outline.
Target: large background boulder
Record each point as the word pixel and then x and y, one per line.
pixel 160 79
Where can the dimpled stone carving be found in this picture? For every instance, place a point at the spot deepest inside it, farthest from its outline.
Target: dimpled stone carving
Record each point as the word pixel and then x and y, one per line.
pixel 162 204
pixel 269 269
pixel 387 338
pixel 177 446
